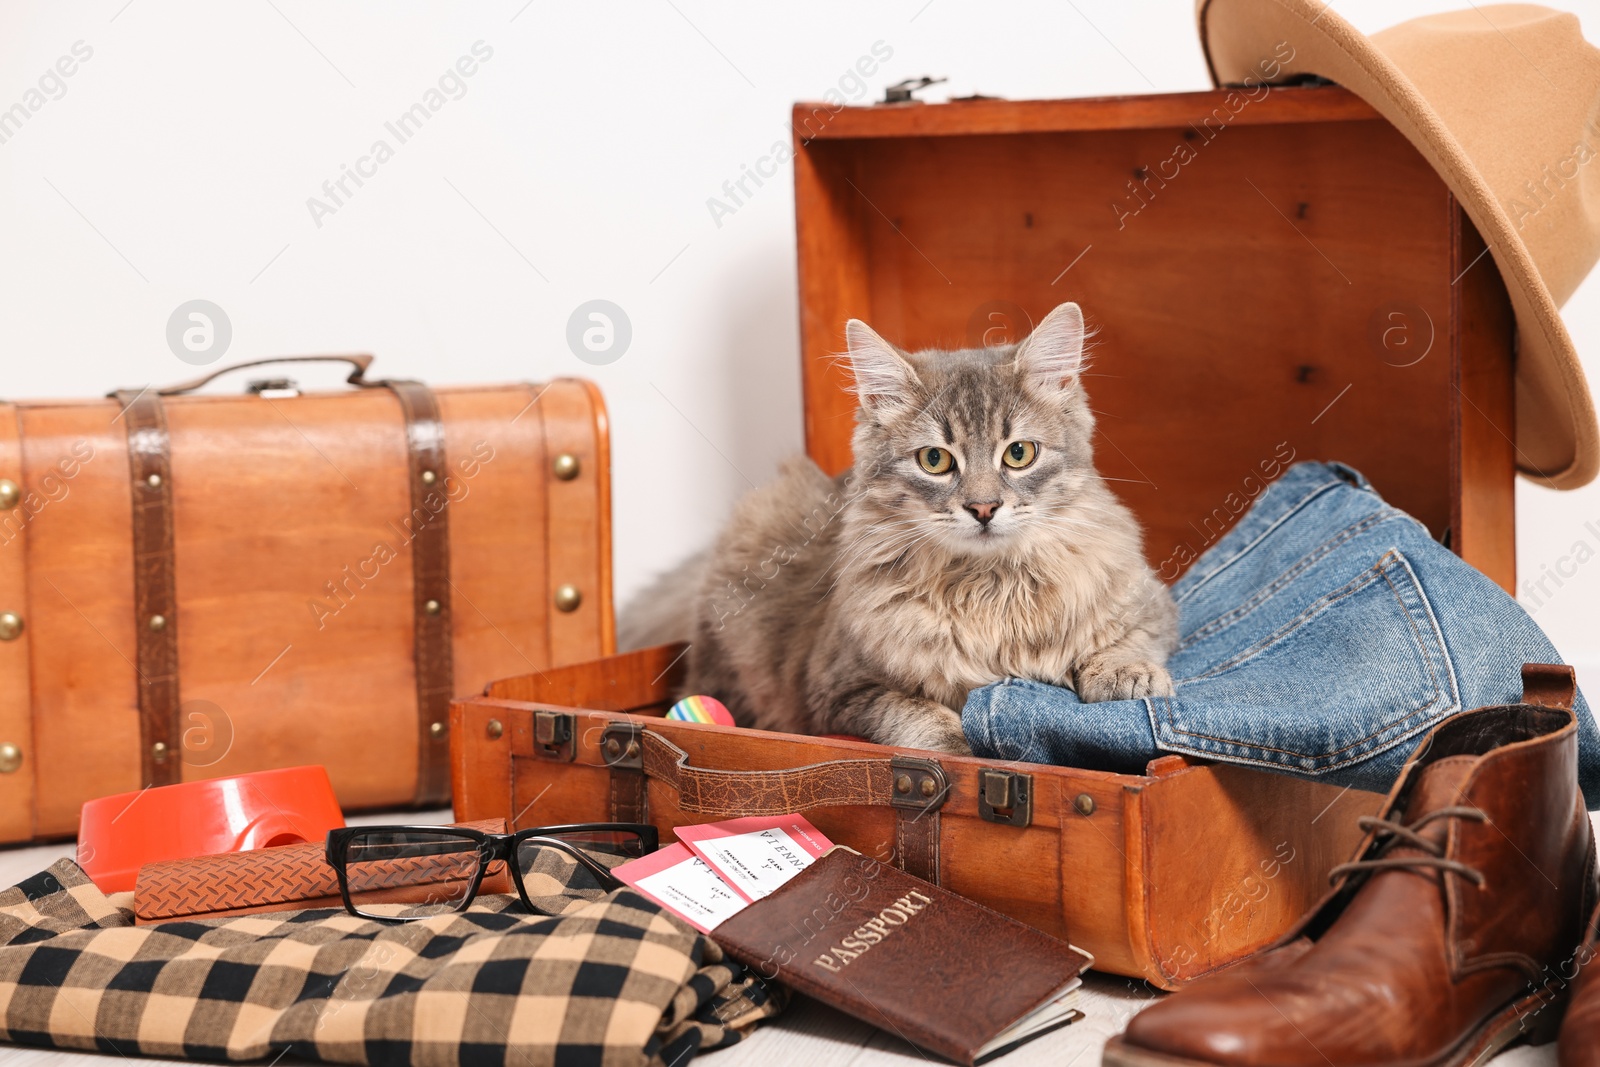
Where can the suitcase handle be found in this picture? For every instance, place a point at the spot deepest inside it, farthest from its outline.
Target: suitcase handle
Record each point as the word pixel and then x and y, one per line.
pixel 913 788
pixel 905 782
pixel 357 376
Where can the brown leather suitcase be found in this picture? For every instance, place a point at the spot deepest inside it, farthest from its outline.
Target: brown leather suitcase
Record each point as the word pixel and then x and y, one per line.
pixel 201 585
pixel 1165 876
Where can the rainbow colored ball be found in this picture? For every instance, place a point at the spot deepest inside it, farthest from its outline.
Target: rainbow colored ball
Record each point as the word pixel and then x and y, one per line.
pixel 700 709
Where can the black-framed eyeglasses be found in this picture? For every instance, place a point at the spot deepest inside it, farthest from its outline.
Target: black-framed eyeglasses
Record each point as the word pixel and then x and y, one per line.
pixel 405 873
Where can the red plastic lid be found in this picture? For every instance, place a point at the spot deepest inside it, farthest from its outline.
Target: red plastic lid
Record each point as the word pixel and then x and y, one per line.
pixel 121 833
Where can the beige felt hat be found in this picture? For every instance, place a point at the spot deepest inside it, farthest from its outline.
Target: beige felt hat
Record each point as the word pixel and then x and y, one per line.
pixel 1504 102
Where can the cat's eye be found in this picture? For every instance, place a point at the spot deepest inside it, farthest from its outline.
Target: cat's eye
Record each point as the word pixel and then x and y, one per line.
pixel 1020 454
pixel 936 460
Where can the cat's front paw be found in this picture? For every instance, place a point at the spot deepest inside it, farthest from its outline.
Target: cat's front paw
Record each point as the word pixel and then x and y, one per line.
pixel 937 731
pixel 1104 678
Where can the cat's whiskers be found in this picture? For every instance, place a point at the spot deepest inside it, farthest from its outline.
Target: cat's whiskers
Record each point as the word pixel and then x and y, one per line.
pixel 1073 516
pixel 865 543
pixel 904 553
pixel 895 547
pixel 898 548
pixel 896 554
pixel 878 526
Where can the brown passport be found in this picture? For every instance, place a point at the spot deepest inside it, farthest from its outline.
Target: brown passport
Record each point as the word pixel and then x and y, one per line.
pixel 902 954
pixel 283 878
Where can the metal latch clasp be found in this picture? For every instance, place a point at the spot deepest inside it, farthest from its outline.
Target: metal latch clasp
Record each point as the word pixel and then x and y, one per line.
pixel 900 92
pixel 552 735
pixel 273 388
pixel 1005 797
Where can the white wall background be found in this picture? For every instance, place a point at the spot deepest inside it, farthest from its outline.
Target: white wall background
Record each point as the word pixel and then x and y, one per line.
pixel 178 162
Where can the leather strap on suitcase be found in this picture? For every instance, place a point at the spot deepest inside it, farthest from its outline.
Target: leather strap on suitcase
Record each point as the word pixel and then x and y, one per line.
pixel 915 788
pixel 155 597
pixel 430 570
pixel 18 762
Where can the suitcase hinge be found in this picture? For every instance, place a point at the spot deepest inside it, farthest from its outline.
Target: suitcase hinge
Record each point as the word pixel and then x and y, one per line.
pixel 919 784
pixel 552 735
pixel 1005 797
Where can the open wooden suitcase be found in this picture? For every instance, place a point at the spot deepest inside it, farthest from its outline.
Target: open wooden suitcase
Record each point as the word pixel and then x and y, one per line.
pixel 194 585
pixel 1164 876
pixel 1300 286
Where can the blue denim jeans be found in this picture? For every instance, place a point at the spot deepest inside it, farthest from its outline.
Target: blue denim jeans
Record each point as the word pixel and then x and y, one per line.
pixel 1320 637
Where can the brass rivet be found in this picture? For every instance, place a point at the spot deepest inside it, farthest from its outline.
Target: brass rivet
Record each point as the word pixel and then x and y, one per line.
pixel 1084 803
pixel 613 748
pixel 10 494
pixel 436 730
pixel 10 626
pixel 154 481
pixel 10 758
pixel 158 622
pixel 633 750
pixel 494 728
pixel 928 788
pixel 431 607
pixel 566 466
pixel 158 752
pixel 428 477
pixel 568 598
pixel 902 784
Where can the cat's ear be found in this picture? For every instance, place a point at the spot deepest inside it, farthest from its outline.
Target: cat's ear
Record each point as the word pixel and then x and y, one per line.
pixel 1052 356
pixel 883 377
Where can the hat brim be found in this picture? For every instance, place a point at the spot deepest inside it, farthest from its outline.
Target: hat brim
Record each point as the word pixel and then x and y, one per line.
pixel 1557 442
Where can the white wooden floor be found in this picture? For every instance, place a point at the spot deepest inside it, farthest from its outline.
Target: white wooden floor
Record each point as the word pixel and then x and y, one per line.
pixel 808 1033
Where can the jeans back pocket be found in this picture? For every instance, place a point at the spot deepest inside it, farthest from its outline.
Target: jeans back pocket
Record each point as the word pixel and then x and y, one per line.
pixel 1359 671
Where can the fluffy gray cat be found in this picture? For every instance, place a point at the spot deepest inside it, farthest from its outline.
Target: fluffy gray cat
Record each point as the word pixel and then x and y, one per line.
pixel 972 541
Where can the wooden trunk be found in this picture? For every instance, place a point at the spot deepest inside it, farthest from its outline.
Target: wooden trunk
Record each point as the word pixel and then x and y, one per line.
pixel 277 580
pixel 1273 280
pixel 1283 277
pixel 1165 876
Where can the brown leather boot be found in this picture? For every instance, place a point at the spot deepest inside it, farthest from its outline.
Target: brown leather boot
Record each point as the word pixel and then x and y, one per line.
pixel 1580 1032
pixel 1438 945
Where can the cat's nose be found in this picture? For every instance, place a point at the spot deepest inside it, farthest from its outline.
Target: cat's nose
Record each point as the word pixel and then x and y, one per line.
pixel 984 511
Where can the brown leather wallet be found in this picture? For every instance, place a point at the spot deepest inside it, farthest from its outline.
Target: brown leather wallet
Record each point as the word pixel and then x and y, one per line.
pixel 285 878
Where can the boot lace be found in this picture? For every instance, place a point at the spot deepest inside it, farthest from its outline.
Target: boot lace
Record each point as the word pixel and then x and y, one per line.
pixel 1390 833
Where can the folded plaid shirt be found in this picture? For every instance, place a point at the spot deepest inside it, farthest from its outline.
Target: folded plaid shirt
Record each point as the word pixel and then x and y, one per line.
pixel 597 979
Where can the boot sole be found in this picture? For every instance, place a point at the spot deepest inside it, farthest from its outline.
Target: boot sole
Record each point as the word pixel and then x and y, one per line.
pixel 1493 1035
